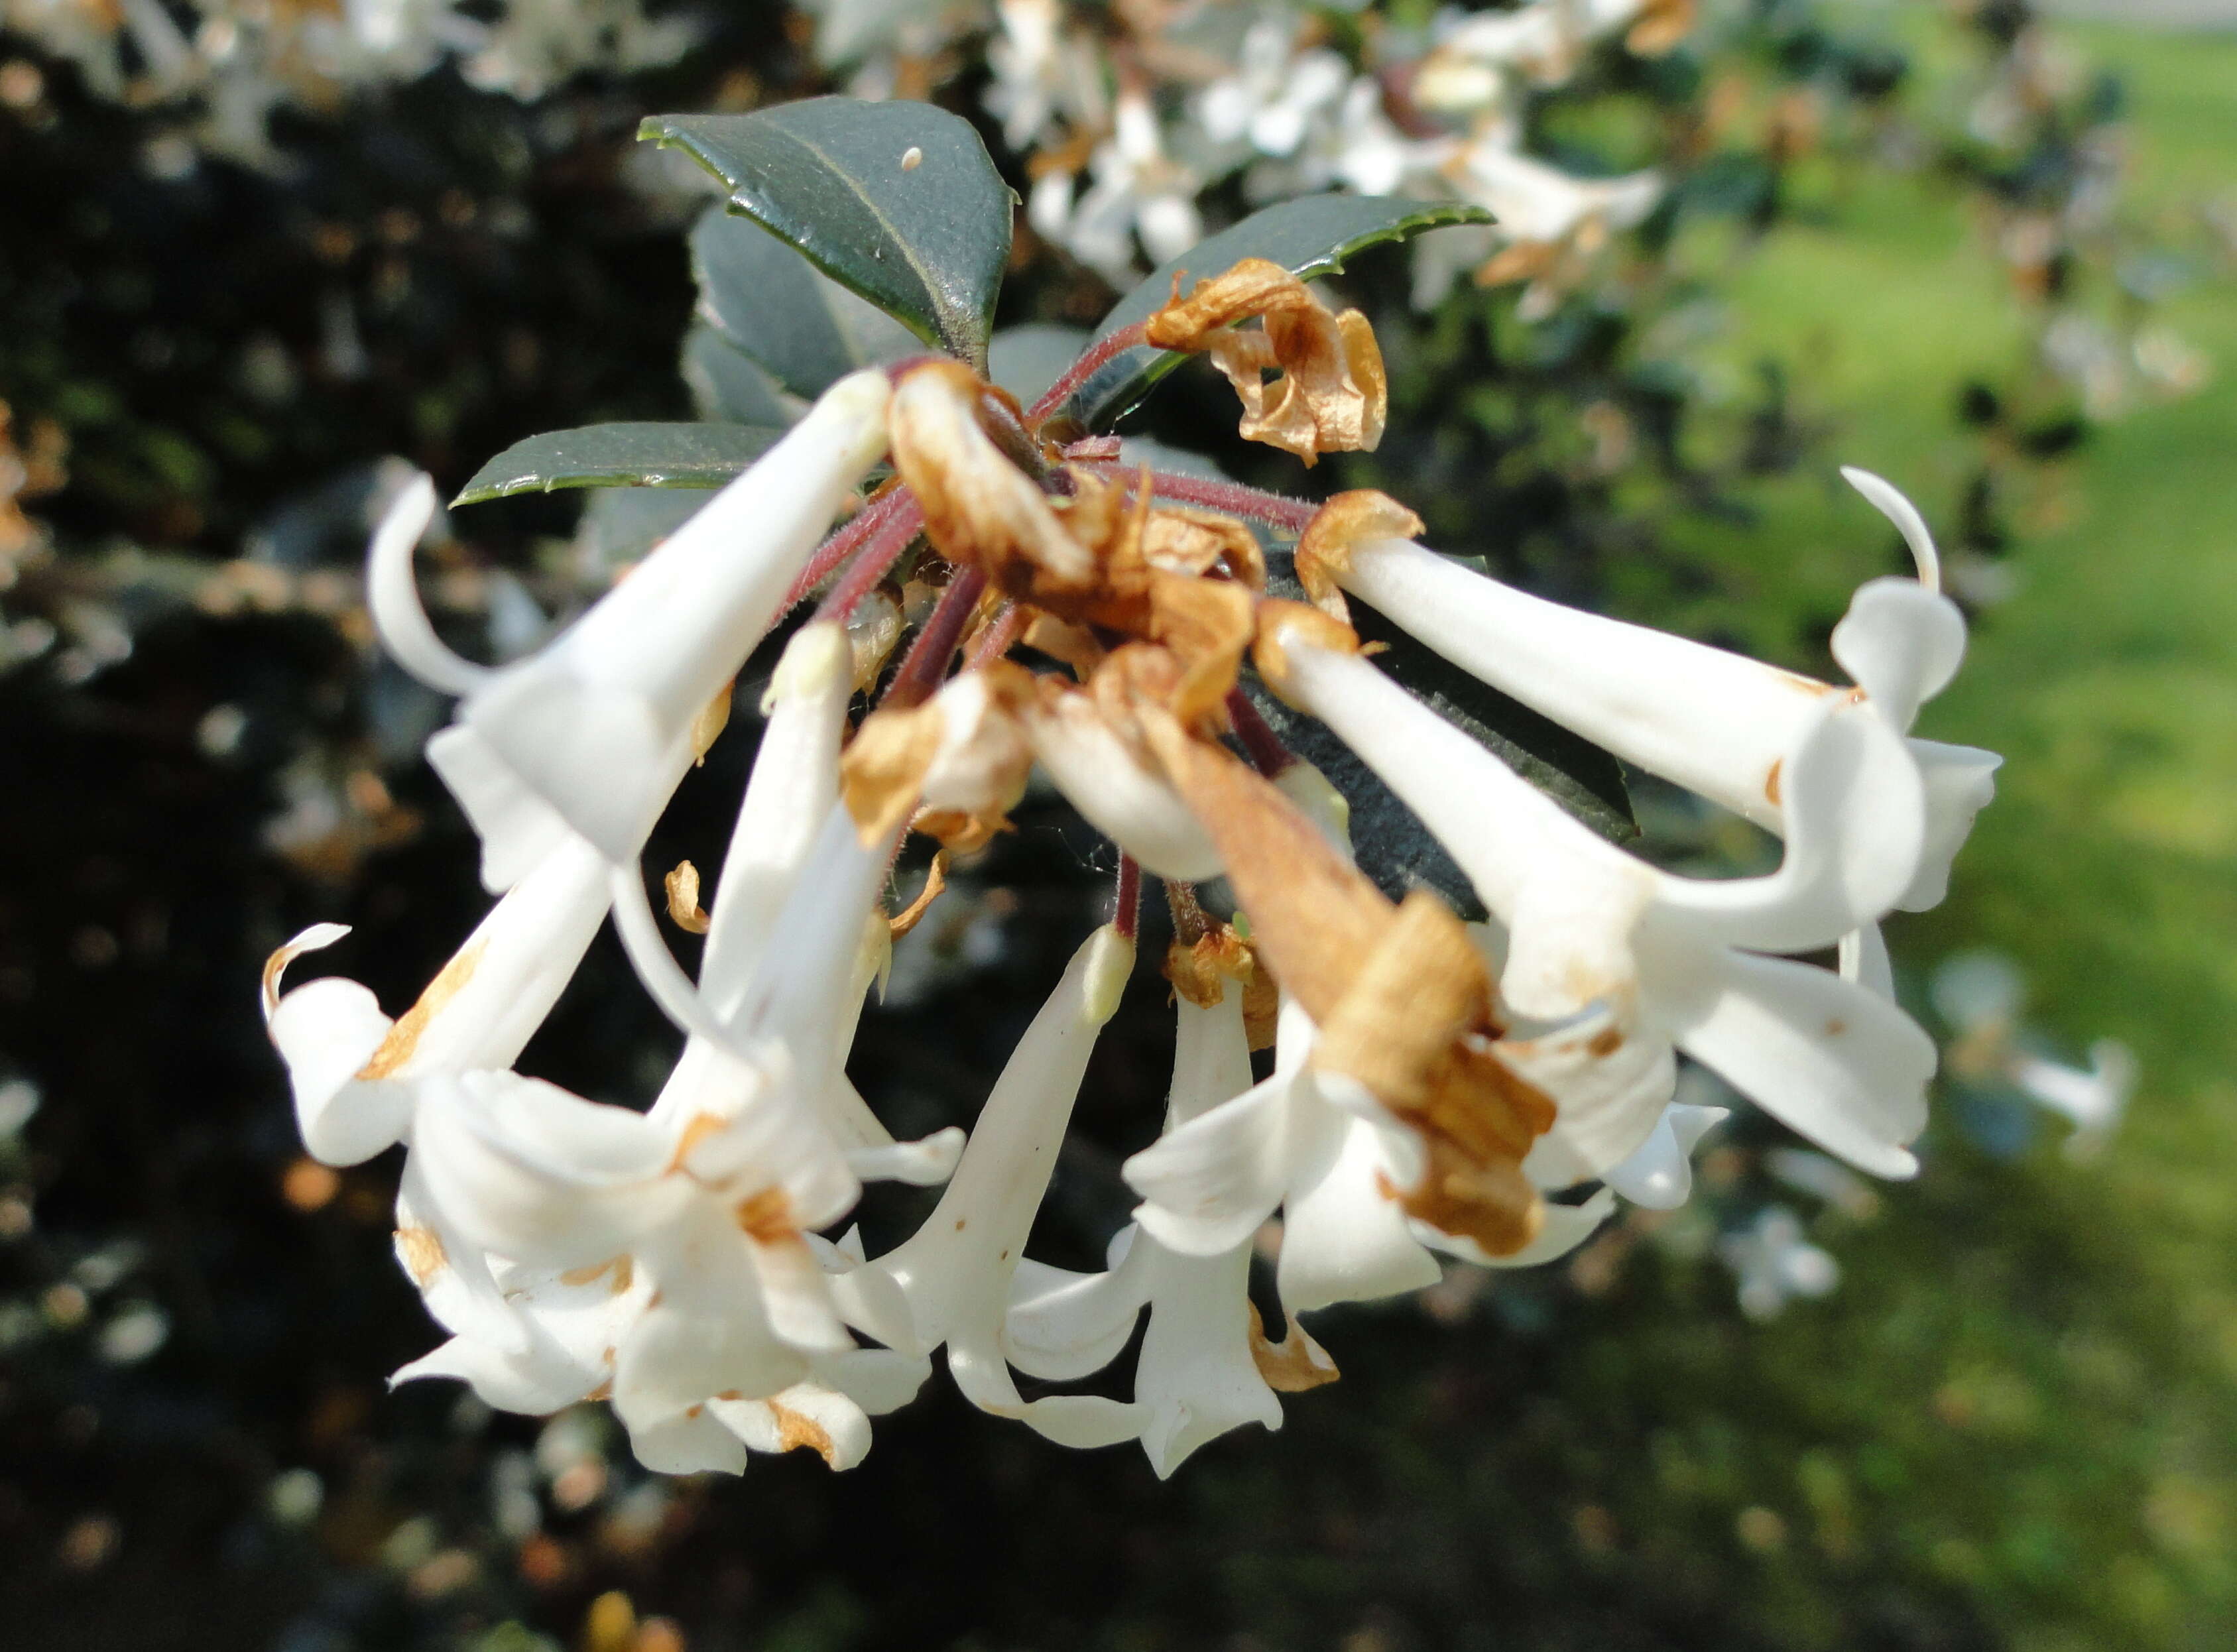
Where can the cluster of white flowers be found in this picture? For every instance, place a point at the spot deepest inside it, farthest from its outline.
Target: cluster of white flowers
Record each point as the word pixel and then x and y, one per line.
pixel 232 63
pixel 1484 1092
pixel 1128 114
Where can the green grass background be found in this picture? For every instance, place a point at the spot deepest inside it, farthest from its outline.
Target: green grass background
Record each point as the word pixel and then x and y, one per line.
pixel 2028 1392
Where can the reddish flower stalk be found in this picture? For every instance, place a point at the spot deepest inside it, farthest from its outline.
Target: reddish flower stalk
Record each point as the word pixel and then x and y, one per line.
pixel 844 544
pixel 875 560
pixel 995 640
pixel 1289 515
pixel 925 663
pixel 1263 745
pixel 1127 919
pixel 1097 355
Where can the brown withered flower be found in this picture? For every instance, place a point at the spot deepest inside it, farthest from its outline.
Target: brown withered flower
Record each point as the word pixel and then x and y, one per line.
pixel 1332 395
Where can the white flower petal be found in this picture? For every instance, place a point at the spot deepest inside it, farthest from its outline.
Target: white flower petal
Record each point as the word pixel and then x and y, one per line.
pixel 1828 1058
pixel 1344 1239
pixel 1901 643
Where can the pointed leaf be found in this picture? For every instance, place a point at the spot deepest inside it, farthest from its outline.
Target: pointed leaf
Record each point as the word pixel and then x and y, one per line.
pixel 1312 237
pixel 898 201
pixel 798 324
pixel 621 456
pixel 1394 849
pixel 727 387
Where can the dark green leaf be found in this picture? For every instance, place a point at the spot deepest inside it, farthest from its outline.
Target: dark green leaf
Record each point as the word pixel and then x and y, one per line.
pixel 1312 237
pixel 1394 849
pixel 727 387
pixel 620 456
pixel 924 243
pixel 798 324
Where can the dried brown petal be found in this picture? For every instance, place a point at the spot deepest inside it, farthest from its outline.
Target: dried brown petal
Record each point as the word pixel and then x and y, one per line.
pixel 1277 619
pixel 1294 1363
pixel 683 887
pixel 1349 519
pixel 961 754
pixel 935 880
pixel 980 509
pixel 1199 971
pixel 1332 395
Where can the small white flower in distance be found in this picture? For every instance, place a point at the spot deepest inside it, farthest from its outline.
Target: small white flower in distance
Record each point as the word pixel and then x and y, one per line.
pixel 1137 190
pixel 2094 1097
pixel 591 733
pixel 1206 1364
pixel 1671 960
pixel 1775 1264
pixel 1276 94
pixel 949 1284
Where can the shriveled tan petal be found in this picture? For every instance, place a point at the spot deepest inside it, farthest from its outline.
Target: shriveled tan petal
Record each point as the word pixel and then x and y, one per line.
pixel 1414 1030
pixel 961 753
pixel 1277 618
pixel 1312 914
pixel 1332 395
pixel 683 887
pixel 1075 645
pixel 882 770
pixel 1348 519
pixel 935 880
pixel 1294 1363
pixel 1200 971
pixel 980 509
pixel 1181 540
pixel 1207 624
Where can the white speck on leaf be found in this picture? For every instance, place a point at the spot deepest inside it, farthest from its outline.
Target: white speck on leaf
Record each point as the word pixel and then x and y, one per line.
pixel 912 158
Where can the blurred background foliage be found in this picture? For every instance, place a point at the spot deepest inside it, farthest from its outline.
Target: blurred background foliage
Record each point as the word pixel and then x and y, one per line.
pixel 2014 1424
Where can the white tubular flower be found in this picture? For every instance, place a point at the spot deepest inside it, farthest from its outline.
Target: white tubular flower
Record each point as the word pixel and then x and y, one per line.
pixel 1716 723
pixel 1588 924
pixel 360 1078
pixel 590 732
pixel 639 1276
pixel 1776 1265
pixel 2092 1098
pixel 1206 1364
pixel 1319 1148
pixel 1101 774
pixel 950 1282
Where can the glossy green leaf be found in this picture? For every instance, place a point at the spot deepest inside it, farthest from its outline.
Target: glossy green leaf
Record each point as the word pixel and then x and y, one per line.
pixel 1312 237
pixel 898 201
pixel 1394 849
pixel 727 387
pixel 621 456
pixel 796 323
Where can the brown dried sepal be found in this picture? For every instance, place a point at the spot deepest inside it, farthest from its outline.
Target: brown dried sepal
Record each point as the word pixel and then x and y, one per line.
pixel 1293 1365
pixel 1074 645
pixel 683 909
pixel 966 777
pixel 1417 1029
pixel 1278 620
pixel 980 508
pixel 1200 971
pixel 1403 999
pixel 1332 395
pixel 1324 548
